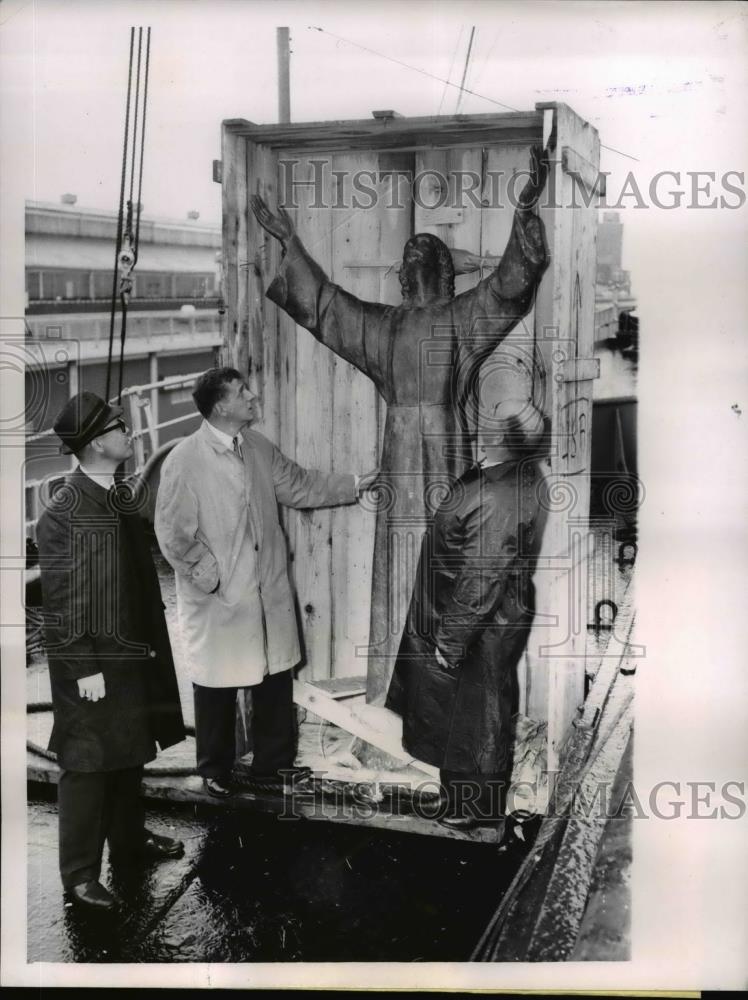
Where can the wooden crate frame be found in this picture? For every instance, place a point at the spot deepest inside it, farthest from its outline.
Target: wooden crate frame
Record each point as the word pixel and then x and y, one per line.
pixel 262 341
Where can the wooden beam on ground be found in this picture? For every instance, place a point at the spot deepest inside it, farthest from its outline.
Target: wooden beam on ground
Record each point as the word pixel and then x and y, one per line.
pixel 317 701
pixel 188 790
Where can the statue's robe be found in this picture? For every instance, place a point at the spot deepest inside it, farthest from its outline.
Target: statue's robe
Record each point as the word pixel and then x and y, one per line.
pixel 425 363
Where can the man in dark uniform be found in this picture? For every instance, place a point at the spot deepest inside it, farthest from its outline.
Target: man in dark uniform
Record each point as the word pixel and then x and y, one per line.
pixel 114 689
pixel 455 679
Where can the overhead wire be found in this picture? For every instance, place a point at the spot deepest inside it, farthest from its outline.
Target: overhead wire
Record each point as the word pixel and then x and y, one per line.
pixel 439 79
pixel 415 69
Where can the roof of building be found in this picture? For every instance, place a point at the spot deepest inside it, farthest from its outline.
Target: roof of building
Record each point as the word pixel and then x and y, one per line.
pixel 51 219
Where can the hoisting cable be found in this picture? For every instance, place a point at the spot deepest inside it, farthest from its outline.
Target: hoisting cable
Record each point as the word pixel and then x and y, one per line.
pixel 119 220
pixel 128 234
pixel 142 140
pixel 128 254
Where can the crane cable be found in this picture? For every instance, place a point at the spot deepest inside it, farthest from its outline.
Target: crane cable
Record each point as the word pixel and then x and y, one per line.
pixel 128 221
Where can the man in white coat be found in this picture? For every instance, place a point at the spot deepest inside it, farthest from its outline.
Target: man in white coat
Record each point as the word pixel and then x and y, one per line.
pixel 217 525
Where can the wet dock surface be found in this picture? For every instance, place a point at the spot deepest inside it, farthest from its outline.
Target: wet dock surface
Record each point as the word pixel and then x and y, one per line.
pixel 255 888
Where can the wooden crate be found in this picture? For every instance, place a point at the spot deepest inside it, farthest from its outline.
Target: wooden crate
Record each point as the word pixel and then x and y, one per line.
pixel 323 413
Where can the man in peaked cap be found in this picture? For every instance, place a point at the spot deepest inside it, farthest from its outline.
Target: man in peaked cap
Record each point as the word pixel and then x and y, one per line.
pixel 114 689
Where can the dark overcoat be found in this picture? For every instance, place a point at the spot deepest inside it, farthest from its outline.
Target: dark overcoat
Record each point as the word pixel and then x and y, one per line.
pixel 104 614
pixel 473 600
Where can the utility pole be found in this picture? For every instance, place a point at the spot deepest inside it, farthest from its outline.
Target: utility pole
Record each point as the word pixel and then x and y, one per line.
pixel 464 72
pixel 284 83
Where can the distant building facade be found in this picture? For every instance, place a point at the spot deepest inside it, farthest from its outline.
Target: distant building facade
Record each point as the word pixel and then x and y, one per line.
pixel 173 323
pixel 612 284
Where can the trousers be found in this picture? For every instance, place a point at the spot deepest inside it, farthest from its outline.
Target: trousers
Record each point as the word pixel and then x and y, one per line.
pixel 94 807
pixel 273 727
pixel 477 796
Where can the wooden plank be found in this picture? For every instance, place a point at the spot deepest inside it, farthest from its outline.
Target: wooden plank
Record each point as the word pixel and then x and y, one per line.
pixel 260 258
pixel 395 229
pixel 361 236
pixel 372 134
pixel 464 233
pixel 564 331
pixel 279 333
pixel 508 373
pixel 583 171
pixel 241 348
pixel 319 702
pixel 355 440
pixel 344 687
pixel 188 790
pixel 288 338
pixel 308 806
pixel 579 370
pixel 574 415
pixel 315 367
pixel 246 334
pixel 232 152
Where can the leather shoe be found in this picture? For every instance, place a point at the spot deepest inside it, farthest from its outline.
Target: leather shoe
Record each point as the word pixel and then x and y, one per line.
pixel 158 848
pixel 153 847
pixel 92 896
pixel 468 822
pixel 217 787
pixel 458 822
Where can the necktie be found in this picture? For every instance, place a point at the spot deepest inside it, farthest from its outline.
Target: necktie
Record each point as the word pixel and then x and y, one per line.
pixel 238 449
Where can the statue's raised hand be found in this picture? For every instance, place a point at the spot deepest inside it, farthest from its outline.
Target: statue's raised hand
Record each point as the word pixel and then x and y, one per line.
pixel 532 190
pixel 279 226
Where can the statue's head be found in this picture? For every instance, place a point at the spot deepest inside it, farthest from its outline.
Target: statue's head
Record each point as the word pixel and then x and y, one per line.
pixel 514 429
pixel 427 273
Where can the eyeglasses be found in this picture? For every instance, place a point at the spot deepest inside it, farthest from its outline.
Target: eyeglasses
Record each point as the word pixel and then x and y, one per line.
pixel 118 425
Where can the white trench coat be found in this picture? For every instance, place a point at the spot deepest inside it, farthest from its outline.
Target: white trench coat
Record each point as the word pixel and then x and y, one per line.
pixel 217 523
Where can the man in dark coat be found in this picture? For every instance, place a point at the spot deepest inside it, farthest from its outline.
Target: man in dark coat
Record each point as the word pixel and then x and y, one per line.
pixel 455 678
pixel 114 689
pixel 424 357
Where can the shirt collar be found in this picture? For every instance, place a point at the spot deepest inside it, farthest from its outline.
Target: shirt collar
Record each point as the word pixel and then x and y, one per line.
pixel 223 437
pixel 103 479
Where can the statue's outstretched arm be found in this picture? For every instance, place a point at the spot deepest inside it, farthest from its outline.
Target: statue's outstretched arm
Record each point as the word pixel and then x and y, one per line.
pixel 466 262
pixel 525 256
pixel 539 167
pixel 355 330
